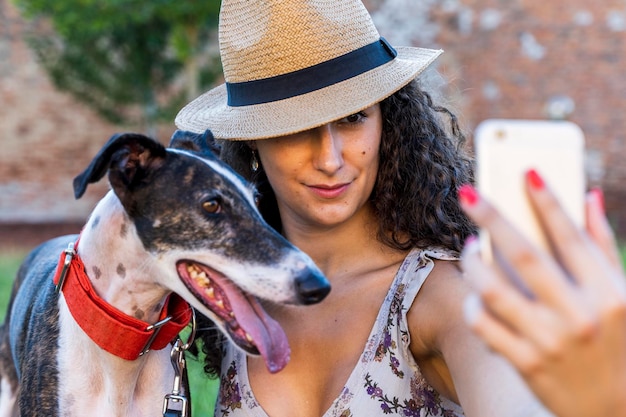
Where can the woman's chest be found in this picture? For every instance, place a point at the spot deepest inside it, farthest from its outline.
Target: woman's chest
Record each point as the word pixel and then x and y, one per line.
pixel 327 343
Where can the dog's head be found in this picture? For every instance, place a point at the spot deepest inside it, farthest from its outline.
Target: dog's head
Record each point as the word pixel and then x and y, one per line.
pixel 198 219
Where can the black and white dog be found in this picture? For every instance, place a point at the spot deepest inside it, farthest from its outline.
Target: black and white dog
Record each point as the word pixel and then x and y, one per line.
pixel 90 316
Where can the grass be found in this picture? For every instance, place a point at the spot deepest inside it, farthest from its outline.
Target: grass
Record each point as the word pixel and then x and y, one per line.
pixel 9 263
pixel 203 390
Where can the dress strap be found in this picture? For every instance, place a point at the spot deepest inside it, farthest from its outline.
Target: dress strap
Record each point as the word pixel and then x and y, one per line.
pixel 411 277
pixel 417 267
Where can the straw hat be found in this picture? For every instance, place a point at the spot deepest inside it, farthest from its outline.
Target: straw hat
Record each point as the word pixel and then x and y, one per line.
pixel 292 65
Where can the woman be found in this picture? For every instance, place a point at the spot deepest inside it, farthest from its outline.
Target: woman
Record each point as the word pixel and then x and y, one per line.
pixel 355 168
pixel 569 341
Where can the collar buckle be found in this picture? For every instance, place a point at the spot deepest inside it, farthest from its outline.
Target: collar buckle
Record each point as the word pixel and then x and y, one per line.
pixel 69 255
pixel 156 327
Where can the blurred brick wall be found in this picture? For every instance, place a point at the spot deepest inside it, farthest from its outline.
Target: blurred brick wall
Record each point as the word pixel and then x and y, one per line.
pixel 47 137
pixel 503 58
pixel 508 58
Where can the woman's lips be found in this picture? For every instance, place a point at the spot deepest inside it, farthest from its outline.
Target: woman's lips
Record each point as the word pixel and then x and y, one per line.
pixel 328 191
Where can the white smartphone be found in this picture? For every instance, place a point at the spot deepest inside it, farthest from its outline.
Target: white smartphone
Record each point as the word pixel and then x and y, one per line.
pixel 506 149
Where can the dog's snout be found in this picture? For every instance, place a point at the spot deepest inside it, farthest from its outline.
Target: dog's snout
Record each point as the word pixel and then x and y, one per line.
pixel 312 287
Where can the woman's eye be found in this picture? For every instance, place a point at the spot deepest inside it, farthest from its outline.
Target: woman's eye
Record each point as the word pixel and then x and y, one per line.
pixel 212 206
pixel 353 118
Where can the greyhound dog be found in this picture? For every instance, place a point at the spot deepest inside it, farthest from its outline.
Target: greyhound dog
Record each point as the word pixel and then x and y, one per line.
pixel 90 316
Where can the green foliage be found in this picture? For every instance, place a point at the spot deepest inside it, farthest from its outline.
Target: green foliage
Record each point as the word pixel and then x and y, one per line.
pixel 123 57
pixel 9 264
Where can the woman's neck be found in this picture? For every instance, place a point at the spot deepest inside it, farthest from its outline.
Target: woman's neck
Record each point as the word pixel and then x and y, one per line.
pixel 335 249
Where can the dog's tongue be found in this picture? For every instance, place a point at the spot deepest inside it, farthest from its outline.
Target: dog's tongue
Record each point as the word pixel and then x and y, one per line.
pixel 267 335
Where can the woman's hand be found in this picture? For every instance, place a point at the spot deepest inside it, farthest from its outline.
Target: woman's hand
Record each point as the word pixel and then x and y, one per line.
pixel 568 338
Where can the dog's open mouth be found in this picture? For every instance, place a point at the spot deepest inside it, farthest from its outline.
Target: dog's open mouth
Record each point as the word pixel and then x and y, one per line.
pixel 247 323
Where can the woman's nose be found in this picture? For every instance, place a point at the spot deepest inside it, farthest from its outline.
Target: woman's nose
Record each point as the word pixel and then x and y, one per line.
pixel 329 156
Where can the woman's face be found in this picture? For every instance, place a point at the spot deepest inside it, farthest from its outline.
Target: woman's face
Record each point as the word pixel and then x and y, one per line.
pixel 324 176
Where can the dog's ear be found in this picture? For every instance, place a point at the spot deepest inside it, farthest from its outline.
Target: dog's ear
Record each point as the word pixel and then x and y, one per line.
pixel 128 156
pixel 204 143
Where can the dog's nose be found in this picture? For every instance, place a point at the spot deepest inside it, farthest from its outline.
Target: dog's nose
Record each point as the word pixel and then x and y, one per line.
pixel 312 287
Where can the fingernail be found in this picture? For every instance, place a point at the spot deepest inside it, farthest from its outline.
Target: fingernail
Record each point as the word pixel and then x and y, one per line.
pixel 598 194
pixel 468 195
pixel 472 307
pixel 471 245
pixel 469 255
pixel 534 179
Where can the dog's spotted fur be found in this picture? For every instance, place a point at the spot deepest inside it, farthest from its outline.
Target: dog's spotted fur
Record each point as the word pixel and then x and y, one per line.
pixel 151 219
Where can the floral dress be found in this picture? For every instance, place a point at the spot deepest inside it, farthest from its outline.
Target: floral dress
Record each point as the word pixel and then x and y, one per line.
pixel 385 381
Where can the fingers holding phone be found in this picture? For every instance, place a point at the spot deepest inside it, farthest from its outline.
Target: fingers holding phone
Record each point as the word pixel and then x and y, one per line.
pixel 570 347
pixel 551 296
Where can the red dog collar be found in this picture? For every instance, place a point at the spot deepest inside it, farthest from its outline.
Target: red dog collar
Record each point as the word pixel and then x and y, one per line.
pixel 120 334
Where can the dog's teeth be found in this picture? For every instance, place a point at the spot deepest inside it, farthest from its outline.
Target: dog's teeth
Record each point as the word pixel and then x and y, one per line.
pixel 210 292
pixel 249 338
pixel 202 279
pixel 232 314
pixel 220 303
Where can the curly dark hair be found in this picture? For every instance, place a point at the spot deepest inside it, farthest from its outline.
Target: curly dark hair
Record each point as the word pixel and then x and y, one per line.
pixel 421 168
pixel 415 198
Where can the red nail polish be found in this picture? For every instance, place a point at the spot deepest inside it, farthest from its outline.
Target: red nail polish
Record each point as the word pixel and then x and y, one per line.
pixel 471 239
pixel 535 180
pixel 599 195
pixel 468 195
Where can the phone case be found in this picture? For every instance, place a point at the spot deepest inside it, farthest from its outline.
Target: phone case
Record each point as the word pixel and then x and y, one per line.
pixel 507 149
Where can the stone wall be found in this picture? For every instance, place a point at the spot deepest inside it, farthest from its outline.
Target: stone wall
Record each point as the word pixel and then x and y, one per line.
pixel 510 58
pixel 505 58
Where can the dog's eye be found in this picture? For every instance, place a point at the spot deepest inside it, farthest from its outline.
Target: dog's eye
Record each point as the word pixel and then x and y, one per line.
pixel 212 206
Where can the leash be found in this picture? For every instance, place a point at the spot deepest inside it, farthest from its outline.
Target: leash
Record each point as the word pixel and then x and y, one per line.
pixel 176 404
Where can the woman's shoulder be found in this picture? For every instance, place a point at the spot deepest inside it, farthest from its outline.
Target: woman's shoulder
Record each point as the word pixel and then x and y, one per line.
pixel 438 305
pixel 443 287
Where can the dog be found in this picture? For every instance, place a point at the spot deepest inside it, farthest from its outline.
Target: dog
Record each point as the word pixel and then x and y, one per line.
pixel 91 316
